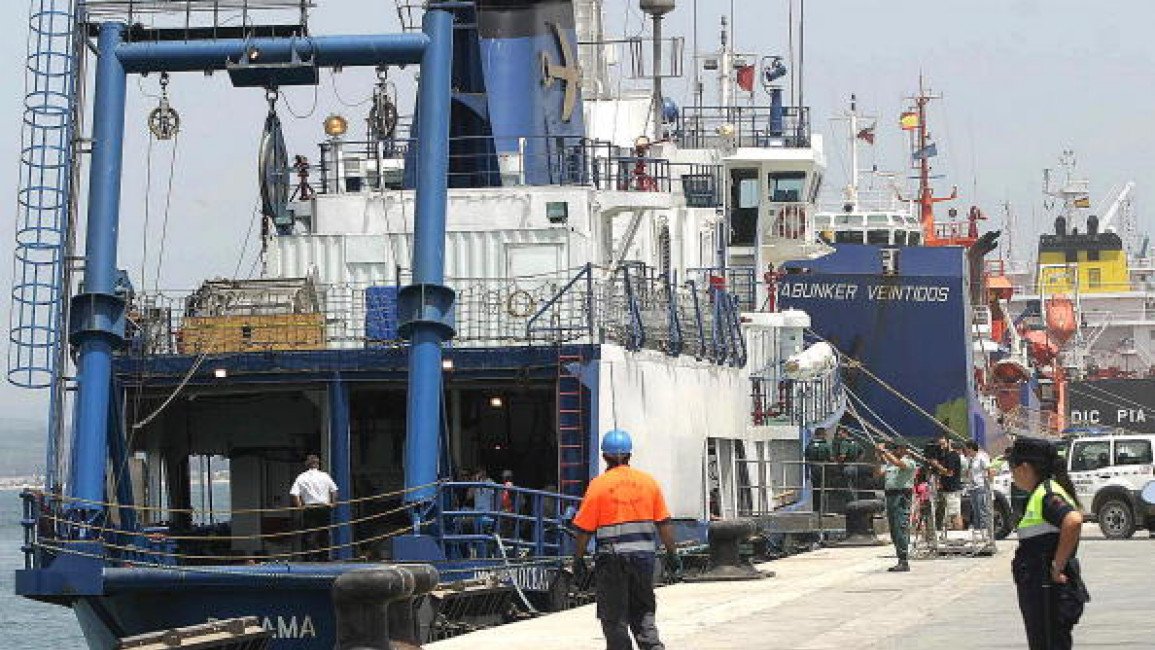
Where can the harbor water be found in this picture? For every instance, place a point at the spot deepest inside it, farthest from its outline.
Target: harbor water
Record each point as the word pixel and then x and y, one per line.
pixel 25 623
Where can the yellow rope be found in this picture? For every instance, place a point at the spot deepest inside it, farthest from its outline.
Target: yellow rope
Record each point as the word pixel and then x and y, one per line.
pixel 243 511
pixel 159 535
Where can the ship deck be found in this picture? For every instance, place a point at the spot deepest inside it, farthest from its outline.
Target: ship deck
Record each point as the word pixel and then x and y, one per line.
pixel 844 598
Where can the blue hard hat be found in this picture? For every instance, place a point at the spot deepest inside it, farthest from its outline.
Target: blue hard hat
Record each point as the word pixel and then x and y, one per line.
pixel 616 443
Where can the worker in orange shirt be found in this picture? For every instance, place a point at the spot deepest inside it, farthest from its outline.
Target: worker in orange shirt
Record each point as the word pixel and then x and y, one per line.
pixel 626 512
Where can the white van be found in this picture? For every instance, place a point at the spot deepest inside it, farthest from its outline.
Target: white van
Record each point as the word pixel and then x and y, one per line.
pixel 1109 472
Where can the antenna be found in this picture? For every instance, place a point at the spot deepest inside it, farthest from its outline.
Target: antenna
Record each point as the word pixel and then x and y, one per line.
pixel 657 9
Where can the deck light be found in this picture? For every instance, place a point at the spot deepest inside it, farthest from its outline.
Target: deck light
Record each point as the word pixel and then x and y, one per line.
pixel 336 126
pixel 220 373
pixel 447 364
pixel 496 402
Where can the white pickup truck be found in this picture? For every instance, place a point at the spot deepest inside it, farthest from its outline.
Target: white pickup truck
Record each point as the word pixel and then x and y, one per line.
pixel 1109 472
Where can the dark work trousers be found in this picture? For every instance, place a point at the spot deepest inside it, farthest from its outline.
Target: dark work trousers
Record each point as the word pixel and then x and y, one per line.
pixel 626 601
pixel 1044 605
pixel 316 516
pixel 898 519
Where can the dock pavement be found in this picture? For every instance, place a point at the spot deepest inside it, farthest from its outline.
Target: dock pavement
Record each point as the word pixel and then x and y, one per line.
pixel 843 598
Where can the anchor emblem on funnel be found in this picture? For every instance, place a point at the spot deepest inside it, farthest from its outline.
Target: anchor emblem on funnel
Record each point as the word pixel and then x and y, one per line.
pixel 568 72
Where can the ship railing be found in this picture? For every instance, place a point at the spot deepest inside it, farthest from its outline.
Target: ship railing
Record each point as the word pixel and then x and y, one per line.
pixel 727 127
pixel 786 483
pixel 777 399
pixel 474 517
pixel 738 280
pixel 354 166
pixel 200 18
pixel 631 307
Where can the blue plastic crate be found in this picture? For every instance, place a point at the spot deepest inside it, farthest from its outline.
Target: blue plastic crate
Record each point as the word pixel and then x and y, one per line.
pixel 381 316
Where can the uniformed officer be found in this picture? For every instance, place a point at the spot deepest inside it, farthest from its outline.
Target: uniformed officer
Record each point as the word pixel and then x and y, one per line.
pixel 817 454
pixel 848 452
pixel 623 507
pixel 1046 571
pixel 898 471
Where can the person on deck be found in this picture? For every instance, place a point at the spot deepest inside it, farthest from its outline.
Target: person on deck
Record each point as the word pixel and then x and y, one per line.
pixel 817 456
pixel 622 508
pixel 978 475
pixel 315 491
pixel 947 465
pixel 1047 574
pixel 898 472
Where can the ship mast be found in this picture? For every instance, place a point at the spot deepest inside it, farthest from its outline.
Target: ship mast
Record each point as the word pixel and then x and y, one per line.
pixel 926 198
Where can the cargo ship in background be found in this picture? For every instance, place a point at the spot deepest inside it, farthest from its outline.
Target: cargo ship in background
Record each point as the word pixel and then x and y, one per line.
pixel 1082 314
pixel 538 247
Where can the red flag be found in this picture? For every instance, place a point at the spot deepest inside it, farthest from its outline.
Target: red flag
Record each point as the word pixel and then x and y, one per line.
pixel 867 134
pixel 746 78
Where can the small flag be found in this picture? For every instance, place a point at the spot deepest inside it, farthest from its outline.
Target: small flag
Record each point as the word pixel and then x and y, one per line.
pixel 746 78
pixel 1083 202
pixel 908 120
pixel 929 151
pixel 867 134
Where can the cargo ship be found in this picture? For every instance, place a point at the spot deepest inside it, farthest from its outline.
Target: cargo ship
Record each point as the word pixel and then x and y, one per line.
pixel 1085 310
pixel 538 247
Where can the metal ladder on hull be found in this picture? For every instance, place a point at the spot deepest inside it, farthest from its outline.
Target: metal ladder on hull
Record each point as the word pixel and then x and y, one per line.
pixel 572 452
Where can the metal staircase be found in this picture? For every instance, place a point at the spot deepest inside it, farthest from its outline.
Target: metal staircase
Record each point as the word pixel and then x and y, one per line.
pixel 572 437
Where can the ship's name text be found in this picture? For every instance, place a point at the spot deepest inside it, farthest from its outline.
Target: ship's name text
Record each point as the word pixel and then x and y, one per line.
pixel 847 291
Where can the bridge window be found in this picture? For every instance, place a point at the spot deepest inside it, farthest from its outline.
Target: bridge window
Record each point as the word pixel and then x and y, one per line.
pixel 878 237
pixel 786 187
pixel 1095 277
pixel 849 237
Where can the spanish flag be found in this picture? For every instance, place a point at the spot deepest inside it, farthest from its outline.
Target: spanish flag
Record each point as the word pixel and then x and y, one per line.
pixel 908 120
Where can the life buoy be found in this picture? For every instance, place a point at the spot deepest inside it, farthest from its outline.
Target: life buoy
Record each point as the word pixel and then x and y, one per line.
pixel 790 222
pixel 520 304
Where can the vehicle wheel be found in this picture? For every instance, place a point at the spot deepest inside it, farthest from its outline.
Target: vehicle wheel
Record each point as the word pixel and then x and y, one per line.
pixel 1003 519
pixel 1116 519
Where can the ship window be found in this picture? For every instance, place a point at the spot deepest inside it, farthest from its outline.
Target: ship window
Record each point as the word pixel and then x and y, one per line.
pixel 1133 452
pixel 915 239
pixel 786 187
pixel 1093 256
pixel 849 237
pixel 1095 277
pixel 748 193
pixel 878 237
pixel 900 237
pixel 878 219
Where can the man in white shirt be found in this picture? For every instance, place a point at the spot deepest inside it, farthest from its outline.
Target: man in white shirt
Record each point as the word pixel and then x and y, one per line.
pixel 978 474
pixel 316 491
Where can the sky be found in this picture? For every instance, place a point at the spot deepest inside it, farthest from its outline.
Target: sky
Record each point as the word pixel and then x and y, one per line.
pixel 1021 80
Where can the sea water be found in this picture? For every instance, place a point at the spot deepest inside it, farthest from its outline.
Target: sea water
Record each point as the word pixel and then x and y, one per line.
pixel 26 624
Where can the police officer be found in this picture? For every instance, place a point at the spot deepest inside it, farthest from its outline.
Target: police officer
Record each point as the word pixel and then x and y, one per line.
pixel 898 471
pixel 623 507
pixel 848 453
pixel 818 454
pixel 1046 571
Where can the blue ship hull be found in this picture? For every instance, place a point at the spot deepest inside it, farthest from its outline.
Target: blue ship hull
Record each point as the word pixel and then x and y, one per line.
pixel 910 329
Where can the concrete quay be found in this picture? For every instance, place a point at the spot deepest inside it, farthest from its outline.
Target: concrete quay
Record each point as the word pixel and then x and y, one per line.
pixel 843 598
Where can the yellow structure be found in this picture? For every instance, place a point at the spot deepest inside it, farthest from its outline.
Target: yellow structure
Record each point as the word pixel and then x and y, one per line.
pixel 1095 263
pixel 217 334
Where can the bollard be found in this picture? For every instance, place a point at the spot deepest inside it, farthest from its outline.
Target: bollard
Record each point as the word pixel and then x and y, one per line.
pixel 860 523
pixel 726 562
pixel 374 607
